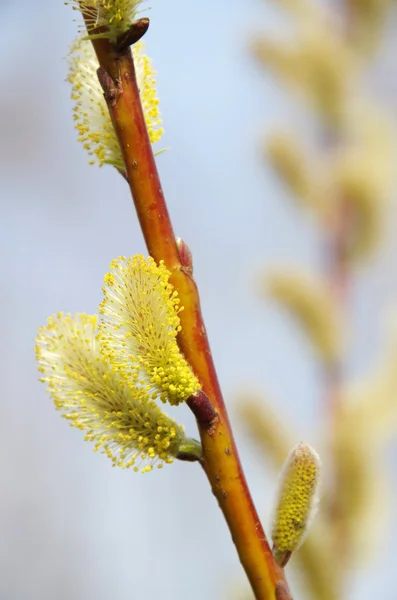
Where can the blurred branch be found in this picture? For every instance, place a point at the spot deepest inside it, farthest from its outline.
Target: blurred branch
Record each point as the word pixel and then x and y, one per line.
pixel 346 190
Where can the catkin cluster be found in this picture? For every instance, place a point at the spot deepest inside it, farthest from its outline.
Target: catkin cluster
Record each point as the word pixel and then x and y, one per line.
pixel 105 377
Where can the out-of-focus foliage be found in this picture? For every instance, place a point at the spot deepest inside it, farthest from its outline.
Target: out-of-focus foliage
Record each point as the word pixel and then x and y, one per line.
pixel 342 173
pixel 311 303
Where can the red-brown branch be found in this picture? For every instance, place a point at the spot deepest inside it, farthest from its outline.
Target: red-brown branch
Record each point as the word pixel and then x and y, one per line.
pixel 220 461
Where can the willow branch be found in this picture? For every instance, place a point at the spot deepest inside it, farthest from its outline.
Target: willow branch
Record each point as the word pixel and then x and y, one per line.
pixel 338 275
pixel 220 460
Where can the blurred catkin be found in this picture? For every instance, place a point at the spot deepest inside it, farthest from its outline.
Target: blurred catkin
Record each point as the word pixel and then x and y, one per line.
pixel 266 427
pixel 312 305
pixel 367 421
pixel 318 64
pixel 291 163
pixel 361 174
pixel 358 516
pixel 368 18
pixel 346 180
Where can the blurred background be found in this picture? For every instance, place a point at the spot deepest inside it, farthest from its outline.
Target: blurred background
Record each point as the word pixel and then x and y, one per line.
pixel 71 526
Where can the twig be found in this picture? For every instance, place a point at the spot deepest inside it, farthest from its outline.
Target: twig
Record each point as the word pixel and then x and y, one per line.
pixel 220 458
pixel 338 273
pixel 338 277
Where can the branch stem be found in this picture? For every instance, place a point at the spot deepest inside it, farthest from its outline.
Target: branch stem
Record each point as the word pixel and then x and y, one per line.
pixel 339 274
pixel 220 460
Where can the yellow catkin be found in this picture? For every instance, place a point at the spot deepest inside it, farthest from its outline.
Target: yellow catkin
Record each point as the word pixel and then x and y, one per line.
pixel 114 16
pixel 116 414
pixel 296 502
pixel 267 429
pixel 309 301
pixel 91 114
pixel 140 325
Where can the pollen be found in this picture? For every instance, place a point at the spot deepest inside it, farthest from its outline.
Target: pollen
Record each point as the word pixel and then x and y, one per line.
pixel 90 112
pixel 297 499
pixel 140 324
pixel 114 16
pixel 117 415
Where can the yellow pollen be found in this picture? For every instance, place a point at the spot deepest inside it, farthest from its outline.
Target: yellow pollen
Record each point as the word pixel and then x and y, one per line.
pixel 297 498
pixel 141 322
pixel 115 16
pixel 119 417
pixel 90 112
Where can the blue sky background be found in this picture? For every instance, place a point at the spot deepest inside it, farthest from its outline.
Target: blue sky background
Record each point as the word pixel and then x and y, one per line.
pixel 70 526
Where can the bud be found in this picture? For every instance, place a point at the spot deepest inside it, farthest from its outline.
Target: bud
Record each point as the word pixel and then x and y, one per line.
pixel 297 500
pixel 185 256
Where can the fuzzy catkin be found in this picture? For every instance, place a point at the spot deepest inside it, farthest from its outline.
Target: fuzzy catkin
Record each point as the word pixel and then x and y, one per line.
pixel 296 502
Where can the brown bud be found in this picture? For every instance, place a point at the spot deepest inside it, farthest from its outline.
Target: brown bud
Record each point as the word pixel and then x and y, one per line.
pixel 185 256
pixel 132 35
pixel 201 407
